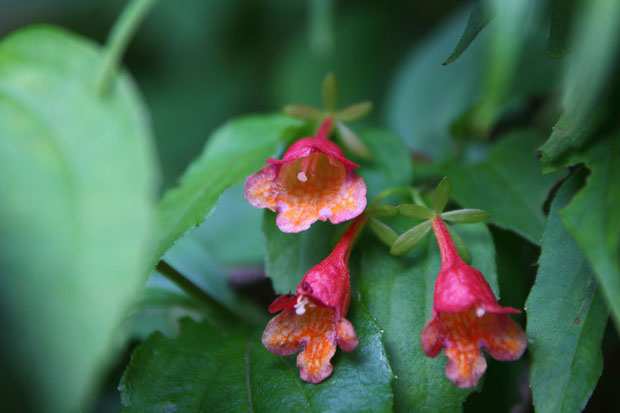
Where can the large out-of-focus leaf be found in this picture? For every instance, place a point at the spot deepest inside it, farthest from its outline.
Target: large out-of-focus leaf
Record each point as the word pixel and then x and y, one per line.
pixel 426 97
pixel 593 219
pixel 208 369
pixel 480 16
pixel 398 292
pixel 560 28
pixel 236 150
pixel 508 183
pixel 289 256
pixel 565 332
pixel 591 69
pixel 391 164
pixel 77 179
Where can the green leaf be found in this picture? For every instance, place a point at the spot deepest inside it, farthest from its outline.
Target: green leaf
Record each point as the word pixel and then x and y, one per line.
pixel 391 165
pixel 593 219
pixel 466 216
pixel 441 196
pixel 415 211
pixel 560 30
pixel 480 16
pixel 330 92
pixel 234 151
pixel 289 256
pixel 399 295
pixel 77 177
pixel 386 234
pixel 411 238
pixel 421 86
pixel 303 112
pixel 354 112
pixel 507 183
pixel 209 369
pixel 565 332
pixel 588 76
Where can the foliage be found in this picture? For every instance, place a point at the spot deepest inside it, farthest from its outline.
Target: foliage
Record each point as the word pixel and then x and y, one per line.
pixel 95 266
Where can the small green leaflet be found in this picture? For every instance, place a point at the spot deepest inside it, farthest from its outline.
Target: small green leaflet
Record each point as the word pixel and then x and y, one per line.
pixel 480 16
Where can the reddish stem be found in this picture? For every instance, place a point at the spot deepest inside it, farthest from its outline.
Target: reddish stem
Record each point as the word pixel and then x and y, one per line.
pixel 324 129
pixel 449 255
pixel 345 245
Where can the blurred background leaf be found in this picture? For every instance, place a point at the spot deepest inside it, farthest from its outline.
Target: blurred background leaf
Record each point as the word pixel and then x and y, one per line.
pixel 77 177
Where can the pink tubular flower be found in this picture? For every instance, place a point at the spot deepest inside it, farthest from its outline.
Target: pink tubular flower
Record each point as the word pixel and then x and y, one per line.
pixel 467 318
pixel 314 319
pixel 312 181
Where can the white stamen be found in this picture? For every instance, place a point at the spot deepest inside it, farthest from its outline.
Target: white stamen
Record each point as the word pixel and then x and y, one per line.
pixel 302 177
pixel 300 306
pixel 480 312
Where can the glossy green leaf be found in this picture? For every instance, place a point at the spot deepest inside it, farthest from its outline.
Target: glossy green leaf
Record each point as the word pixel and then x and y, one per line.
pixel 588 77
pixel 391 164
pixel 289 256
pixel 330 92
pixel 480 16
pixel 508 183
pixel 234 151
pixel 386 234
pixel 303 112
pixel 208 369
pixel 441 196
pixel 399 295
pixel 593 219
pixel 411 238
pixel 466 216
pixel 354 112
pixel 560 29
pixel 415 211
pixel 77 177
pixel 565 332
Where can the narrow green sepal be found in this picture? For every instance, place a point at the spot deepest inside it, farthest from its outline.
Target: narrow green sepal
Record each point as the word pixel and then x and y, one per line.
pixel 415 211
pixel 354 112
pixel 303 112
pixel 411 238
pixel 352 142
pixel 466 216
pixel 460 246
pixel 386 234
pixel 442 195
pixel 382 211
pixel 330 92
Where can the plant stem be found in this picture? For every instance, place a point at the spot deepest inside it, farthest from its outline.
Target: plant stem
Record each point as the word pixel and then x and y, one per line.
pixel 187 285
pixel 119 37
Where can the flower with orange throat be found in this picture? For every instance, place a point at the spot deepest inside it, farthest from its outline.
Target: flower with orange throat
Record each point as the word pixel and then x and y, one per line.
pixel 314 318
pixel 313 181
pixel 467 318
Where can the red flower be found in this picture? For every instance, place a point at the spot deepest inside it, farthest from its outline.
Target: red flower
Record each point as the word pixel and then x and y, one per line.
pixel 314 318
pixel 467 318
pixel 312 181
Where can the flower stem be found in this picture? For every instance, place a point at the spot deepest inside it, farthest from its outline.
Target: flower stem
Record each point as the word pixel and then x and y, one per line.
pixel 449 255
pixel 345 245
pixel 119 37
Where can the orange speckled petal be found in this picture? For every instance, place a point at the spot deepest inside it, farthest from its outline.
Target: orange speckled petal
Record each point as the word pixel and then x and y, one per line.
pixel 261 188
pixel 465 367
pixel 315 330
pixel 507 340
